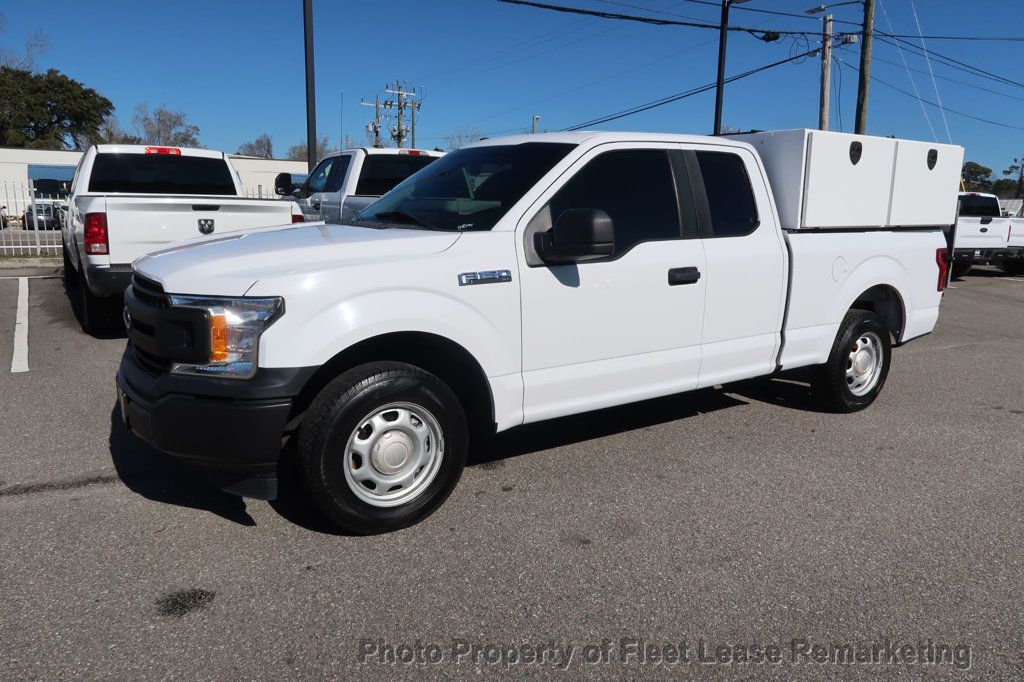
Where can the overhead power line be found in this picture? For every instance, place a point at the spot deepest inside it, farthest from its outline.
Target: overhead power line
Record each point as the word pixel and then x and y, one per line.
pixel 950 61
pixel 652 20
pixel 717 5
pixel 683 95
pixel 746 29
pixel 934 104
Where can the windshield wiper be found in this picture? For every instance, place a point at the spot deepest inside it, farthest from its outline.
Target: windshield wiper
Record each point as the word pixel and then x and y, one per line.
pixel 407 218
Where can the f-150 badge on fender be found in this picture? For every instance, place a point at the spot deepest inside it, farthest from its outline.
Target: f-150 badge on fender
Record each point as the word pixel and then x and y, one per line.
pixel 485 277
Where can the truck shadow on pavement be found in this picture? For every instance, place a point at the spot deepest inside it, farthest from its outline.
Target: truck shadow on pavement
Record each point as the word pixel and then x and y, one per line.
pixel 155 476
pixel 160 478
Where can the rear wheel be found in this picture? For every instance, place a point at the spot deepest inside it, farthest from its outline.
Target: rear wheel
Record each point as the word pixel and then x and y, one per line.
pixel 95 313
pixel 67 274
pixel 857 366
pixel 382 446
pixel 960 269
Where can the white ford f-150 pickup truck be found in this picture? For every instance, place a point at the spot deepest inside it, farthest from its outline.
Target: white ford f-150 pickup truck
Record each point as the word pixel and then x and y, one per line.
pixel 345 182
pixel 127 200
pixel 982 233
pixel 526 278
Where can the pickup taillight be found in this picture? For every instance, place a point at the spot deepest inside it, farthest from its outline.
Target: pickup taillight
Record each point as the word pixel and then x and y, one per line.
pixel 96 243
pixel 942 260
pixel 298 218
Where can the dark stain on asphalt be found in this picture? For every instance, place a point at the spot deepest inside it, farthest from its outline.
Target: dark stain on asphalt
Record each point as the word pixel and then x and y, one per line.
pixel 67 484
pixel 1016 411
pixel 575 540
pixel 177 604
pixel 506 488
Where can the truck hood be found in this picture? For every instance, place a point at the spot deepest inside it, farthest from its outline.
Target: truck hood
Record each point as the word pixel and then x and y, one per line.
pixel 231 265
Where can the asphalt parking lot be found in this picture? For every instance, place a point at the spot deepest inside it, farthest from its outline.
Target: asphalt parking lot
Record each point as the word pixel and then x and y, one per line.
pixel 738 517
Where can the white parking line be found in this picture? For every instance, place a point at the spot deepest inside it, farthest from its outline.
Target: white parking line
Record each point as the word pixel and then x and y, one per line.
pixel 19 362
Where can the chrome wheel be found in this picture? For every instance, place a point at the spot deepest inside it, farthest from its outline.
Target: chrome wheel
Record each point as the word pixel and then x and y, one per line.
pixel 393 455
pixel 864 364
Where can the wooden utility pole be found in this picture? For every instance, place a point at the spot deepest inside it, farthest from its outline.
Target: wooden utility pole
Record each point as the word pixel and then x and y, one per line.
pixel 826 72
pixel 865 67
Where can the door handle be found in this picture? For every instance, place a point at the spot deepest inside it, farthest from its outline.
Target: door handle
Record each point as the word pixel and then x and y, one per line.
pixel 677 276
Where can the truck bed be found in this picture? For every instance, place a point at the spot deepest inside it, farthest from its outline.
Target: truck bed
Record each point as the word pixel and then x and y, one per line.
pixel 140 223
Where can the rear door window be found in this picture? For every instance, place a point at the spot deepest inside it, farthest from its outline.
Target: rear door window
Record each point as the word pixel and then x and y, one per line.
pixel 160 174
pixel 730 196
pixel 381 172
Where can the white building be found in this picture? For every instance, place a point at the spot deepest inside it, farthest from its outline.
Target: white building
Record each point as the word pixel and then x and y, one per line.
pixel 18 166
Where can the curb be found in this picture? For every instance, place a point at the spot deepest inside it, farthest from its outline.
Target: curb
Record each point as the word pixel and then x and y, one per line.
pixel 22 262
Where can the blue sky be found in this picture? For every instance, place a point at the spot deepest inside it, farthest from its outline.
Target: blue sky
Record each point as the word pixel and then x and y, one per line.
pixel 236 68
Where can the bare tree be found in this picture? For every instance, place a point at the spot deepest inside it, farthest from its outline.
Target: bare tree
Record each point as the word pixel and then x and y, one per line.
pixel 262 147
pixel 111 132
pixel 462 137
pixel 298 152
pixel 165 127
pixel 36 44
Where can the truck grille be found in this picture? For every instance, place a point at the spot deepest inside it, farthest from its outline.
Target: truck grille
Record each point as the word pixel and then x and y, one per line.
pixel 149 292
pixel 160 334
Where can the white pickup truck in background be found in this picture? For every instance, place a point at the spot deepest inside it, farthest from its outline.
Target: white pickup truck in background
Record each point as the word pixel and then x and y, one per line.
pixel 346 182
pixel 127 200
pixel 982 233
pixel 526 278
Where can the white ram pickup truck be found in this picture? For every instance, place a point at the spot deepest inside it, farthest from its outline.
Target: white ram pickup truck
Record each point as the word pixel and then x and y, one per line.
pixel 527 278
pixel 982 233
pixel 346 182
pixel 127 200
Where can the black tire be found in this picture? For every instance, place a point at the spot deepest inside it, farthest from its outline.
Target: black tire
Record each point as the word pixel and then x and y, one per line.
pixel 960 269
pixel 68 273
pixel 1013 267
pixel 335 415
pixel 830 383
pixel 96 314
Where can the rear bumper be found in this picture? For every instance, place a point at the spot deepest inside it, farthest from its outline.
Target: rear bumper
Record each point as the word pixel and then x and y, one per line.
pixel 233 432
pixel 108 281
pixel 982 256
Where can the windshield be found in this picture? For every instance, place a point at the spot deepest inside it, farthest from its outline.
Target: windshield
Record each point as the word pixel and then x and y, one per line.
pixel 468 189
pixel 976 206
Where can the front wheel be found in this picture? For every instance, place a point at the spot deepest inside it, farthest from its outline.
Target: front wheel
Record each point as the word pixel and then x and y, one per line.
pixel 382 446
pixel 857 366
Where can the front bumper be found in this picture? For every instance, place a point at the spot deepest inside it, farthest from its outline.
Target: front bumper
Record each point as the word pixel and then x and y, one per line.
pixel 108 281
pixel 232 429
pixel 983 256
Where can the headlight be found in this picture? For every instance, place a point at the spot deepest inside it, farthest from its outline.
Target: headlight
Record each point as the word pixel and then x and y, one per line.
pixel 235 325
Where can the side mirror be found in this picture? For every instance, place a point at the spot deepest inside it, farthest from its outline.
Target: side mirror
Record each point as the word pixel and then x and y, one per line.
pixel 283 184
pixel 579 235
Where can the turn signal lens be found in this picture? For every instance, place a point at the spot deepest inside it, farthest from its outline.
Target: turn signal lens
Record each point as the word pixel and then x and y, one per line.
pixel 218 338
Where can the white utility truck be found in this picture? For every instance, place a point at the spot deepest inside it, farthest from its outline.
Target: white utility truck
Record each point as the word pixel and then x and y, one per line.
pixel 527 278
pixel 1014 263
pixel 127 200
pixel 982 233
pixel 346 182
